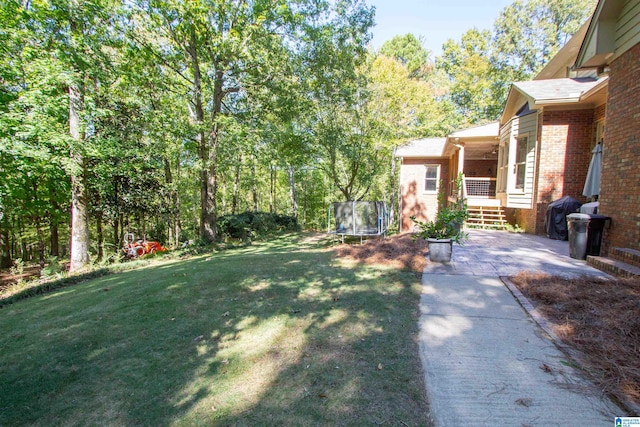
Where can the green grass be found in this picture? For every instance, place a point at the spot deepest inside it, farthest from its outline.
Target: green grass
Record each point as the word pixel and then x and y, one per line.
pixel 279 333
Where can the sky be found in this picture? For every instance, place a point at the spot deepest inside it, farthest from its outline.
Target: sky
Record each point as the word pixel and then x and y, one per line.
pixel 435 20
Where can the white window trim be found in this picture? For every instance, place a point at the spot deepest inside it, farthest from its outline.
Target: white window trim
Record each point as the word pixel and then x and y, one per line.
pixel 437 179
pixel 511 170
pixel 503 168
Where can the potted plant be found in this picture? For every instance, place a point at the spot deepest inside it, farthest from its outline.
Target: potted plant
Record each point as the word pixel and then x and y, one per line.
pixel 445 230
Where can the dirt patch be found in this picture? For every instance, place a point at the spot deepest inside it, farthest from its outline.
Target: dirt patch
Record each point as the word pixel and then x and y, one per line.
pixel 399 251
pixel 601 319
pixel 7 278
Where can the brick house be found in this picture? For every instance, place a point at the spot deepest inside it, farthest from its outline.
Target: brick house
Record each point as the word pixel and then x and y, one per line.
pixel 550 125
pixel 611 47
pixel 430 166
pixel 547 131
pixel 423 166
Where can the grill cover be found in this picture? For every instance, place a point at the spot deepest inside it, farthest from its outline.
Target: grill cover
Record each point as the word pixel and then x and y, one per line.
pixel 555 220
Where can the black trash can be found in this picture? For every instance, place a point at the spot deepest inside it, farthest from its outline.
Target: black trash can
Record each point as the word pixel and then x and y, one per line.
pixel 585 234
pixel 595 230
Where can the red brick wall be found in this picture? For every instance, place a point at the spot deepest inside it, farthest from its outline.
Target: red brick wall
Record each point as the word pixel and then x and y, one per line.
pixel 414 200
pixel 599 113
pixel 565 152
pixel 620 186
pixel 480 168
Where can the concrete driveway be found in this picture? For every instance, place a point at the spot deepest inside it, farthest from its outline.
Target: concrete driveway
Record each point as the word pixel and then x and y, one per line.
pixel 486 361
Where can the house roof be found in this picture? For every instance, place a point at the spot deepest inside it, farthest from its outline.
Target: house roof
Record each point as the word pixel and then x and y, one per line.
pixel 556 91
pixel 426 147
pixel 482 131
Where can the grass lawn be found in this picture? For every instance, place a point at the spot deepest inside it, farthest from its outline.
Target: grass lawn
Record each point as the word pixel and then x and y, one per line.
pixel 279 333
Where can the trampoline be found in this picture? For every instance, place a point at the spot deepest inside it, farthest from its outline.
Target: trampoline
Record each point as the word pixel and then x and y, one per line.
pixel 358 218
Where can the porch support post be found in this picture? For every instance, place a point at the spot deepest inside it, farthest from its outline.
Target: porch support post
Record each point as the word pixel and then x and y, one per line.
pixel 460 146
pixel 463 190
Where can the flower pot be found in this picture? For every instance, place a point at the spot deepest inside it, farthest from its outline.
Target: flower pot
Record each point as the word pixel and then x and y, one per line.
pixel 440 250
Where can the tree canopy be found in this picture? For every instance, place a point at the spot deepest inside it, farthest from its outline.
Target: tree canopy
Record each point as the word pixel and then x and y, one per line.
pixel 159 116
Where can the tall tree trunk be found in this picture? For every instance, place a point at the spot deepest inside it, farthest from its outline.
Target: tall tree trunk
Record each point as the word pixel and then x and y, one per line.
pixel 272 189
pixel 292 190
pixel 203 143
pixel 5 247
pixel 254 183
pixel 236 185
pixel 41 247
pixel 79 219
pixel 55 239
pixel 174 211
pixel 100 234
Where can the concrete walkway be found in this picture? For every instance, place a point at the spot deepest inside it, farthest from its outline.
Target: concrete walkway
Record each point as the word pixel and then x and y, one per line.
pixel 486 362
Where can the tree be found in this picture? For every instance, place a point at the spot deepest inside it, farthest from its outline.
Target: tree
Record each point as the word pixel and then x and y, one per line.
pixel 468 67
pixel 528 33
pixel 410 52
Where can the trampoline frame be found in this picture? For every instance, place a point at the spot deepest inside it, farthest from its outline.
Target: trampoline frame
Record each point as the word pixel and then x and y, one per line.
pixel 381 228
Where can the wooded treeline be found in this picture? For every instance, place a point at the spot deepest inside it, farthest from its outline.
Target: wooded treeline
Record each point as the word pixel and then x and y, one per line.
pixel 159 116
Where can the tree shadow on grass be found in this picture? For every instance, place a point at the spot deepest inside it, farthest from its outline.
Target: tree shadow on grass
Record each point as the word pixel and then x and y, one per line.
pixel 259 337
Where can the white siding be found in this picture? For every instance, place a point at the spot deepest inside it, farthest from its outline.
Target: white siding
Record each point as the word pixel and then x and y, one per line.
pixel 517 127
pixel 628 27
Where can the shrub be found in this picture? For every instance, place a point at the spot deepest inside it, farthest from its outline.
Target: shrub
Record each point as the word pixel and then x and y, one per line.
pixel 248 225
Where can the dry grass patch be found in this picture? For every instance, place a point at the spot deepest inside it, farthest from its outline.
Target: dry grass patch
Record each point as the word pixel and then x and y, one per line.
pixel 600 318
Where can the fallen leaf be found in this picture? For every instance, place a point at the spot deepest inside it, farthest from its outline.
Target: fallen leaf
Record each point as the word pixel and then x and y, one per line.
pixel 546 368
pixel 524 402
pixel 322 395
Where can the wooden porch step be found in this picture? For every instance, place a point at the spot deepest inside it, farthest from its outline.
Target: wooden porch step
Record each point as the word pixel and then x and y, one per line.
pixel 497 226
pixel 488 217
pixel 627 255
pixel 613 266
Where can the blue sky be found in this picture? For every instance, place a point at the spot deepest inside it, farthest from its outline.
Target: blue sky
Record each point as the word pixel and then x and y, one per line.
pixel 435 20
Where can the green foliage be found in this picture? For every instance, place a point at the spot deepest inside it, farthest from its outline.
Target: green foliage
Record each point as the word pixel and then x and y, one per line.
pixel 52 267
pixel 449 220
pixel 255 224
pixel 194 110
pixel 410 52
pixel 528 33
pixel 18 267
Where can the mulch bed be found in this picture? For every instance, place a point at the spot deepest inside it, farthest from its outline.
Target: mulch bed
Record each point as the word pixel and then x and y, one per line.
pixel 399 251
pixel 601 319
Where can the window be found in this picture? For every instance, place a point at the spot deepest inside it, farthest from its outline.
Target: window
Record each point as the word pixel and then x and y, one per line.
pixel 520 169
pixel 431 177
pixel 503 167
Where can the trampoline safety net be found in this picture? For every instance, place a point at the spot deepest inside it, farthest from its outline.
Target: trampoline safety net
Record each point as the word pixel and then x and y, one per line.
pixel 358 218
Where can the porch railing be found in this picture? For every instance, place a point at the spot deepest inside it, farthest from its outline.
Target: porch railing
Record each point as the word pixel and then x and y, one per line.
pixel 480 187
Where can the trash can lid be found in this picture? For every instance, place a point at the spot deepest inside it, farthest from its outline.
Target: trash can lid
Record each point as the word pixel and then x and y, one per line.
pixel 598 216
pixel 578 217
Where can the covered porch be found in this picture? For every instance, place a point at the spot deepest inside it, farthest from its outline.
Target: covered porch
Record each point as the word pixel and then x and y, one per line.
pixel 473 157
